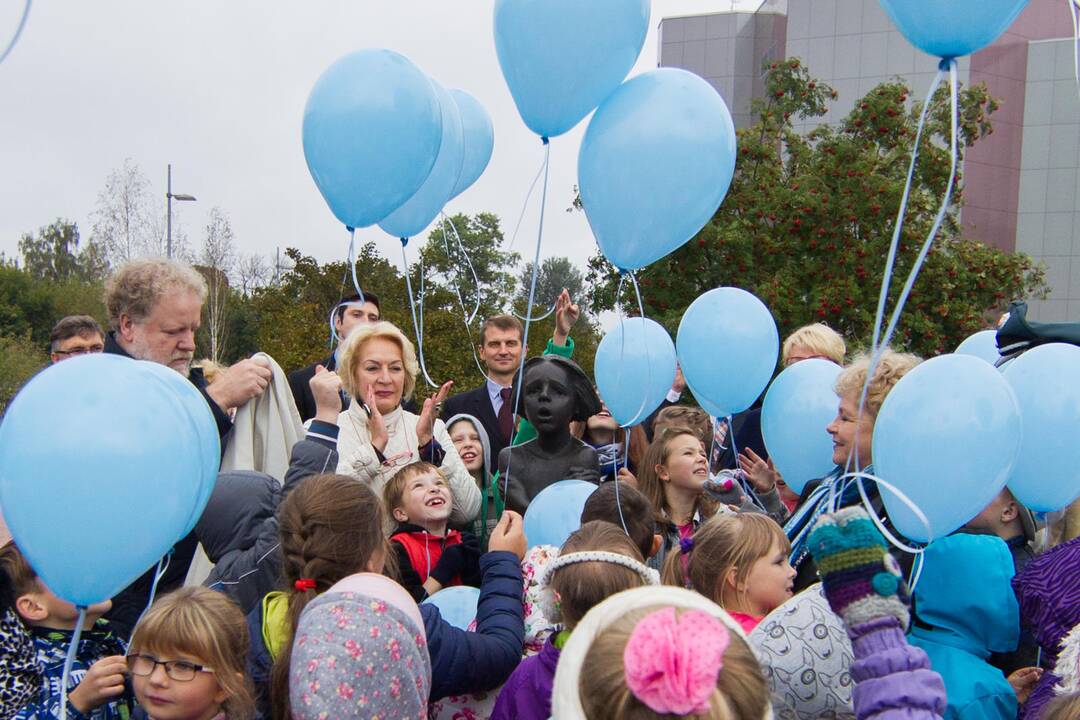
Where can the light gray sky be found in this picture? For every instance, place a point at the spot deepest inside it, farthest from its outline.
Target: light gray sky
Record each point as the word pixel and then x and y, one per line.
pixel 218 90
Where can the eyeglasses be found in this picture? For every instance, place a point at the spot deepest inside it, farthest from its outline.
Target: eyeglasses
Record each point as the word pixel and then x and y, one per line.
pixel 179 670
pixel 81 350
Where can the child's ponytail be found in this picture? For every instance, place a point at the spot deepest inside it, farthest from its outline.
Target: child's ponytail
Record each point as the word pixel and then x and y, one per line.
pixel 330 526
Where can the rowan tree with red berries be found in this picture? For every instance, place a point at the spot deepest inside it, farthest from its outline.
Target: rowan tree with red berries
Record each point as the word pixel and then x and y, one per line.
pixel 808 220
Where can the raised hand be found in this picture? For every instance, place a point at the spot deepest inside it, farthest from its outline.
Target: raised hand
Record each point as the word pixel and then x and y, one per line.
pixel 566 315
pixel 425 426
pixel 761 474
pixel 509 535
pixel 376 423
pixel 326 389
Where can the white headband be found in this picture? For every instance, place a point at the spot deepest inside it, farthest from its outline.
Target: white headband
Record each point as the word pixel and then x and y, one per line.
pixel 648 575
pixel 565 698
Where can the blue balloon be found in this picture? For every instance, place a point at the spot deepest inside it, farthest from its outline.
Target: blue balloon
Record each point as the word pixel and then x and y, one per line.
pixel 479 140
pixel 418 211
pixel 634 369
pixel 202 423
pixel 1046 380
pixel 952 28
pixel 457 604
pixel 555 512
pixel 95 494
pixel 799 405
pixel 982 344
pixel 655 164
pixel 561 58
pixel 727 345
pixel 947 436
pixel 372 130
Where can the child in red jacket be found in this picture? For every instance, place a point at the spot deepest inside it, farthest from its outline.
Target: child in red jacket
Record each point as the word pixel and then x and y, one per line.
pixel 430 555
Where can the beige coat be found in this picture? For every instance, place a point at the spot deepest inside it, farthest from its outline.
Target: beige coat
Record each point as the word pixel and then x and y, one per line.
pixel 357 456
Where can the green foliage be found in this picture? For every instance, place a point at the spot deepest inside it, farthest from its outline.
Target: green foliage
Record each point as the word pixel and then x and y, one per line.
pixel 53 254
pixel 807 223
pixel 555 274
pixel 20 359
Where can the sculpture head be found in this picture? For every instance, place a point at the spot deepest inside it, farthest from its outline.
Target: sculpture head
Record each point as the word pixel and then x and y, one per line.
pixel 555 392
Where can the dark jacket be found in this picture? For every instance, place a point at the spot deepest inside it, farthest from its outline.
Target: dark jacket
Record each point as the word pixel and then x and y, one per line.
pixel 301 390
pixel 477 403
pixel 422 555
pixel 469 662
pixel 461 662
pixel 239 528
pixel 130 602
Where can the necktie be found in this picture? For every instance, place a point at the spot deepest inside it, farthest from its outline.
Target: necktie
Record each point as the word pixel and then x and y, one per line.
pixel 506 416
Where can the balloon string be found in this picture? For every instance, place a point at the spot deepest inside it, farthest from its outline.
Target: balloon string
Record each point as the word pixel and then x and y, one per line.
pixel 637 418
pixel 535 319
pixel 528 196
pixel 18 31
pixel 528 309
pixel 335 338
pixel 69 661
pixel 417 325
pixel 890 262
pixel 468 261
pixel 858 478
pixel 457 289
pixel 740 475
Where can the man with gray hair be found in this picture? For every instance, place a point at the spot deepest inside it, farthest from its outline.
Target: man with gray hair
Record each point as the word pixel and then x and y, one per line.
pixel 155 307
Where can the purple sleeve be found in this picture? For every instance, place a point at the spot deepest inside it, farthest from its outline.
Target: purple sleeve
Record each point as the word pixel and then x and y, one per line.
pixel 893 680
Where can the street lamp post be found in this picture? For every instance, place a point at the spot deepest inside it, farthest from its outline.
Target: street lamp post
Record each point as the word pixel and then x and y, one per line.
pixel 169 197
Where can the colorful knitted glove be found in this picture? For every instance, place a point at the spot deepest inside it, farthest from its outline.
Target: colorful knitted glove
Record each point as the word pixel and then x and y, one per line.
pixel 862 580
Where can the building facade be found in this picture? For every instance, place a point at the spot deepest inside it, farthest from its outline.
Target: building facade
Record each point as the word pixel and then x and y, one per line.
pixel 1021 184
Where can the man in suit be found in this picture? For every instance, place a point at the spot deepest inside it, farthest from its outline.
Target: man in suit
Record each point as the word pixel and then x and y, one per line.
pixel 500 351
pixel 349 313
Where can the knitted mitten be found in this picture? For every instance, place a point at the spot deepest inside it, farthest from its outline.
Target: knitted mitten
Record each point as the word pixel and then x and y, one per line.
pixel 862 580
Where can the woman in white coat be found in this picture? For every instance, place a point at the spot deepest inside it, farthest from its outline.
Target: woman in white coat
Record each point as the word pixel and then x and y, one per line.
pixel 377 437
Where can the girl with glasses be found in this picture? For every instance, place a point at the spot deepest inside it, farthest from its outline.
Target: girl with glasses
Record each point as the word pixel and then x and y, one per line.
pixel 187 659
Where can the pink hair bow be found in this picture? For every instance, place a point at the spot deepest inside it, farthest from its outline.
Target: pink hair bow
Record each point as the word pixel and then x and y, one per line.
pixel 672 663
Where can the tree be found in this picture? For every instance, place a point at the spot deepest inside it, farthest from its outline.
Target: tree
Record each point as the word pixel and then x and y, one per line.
pixel 123 220
pixel 808 220
pixel 555 274
pixel 482 241
pixel 252 272
pixel 217 259
pixel 54 254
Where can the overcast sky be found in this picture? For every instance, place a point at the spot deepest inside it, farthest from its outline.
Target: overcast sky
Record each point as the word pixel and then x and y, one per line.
pixel 218 90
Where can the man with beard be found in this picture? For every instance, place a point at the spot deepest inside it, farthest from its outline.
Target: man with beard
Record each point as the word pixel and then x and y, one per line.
pixel 155 308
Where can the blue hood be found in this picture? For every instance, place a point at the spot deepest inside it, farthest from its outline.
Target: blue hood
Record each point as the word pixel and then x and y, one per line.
pixel 965 595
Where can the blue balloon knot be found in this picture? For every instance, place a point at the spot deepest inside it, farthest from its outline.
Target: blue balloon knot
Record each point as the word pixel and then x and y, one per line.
pixel 544 139
pixel 404 241
pixel 945 63
pixel 350 229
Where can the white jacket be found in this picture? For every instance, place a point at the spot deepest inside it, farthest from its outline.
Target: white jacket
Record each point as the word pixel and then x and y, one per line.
pixel 356 456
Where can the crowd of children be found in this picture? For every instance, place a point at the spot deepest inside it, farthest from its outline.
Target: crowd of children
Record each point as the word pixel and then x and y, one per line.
pixel 676 597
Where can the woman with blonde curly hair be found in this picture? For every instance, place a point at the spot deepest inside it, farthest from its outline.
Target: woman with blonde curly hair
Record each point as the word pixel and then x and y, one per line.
pixel 378 437
pixel 852 433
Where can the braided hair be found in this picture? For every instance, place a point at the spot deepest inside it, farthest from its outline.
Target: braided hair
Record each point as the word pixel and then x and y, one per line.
pixel 330 527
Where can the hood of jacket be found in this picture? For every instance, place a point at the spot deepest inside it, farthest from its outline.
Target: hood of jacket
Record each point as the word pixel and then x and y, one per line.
pixel 485 442
pixel 275 622
pixel 804 634
pixel 241 502
pixel 964 597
